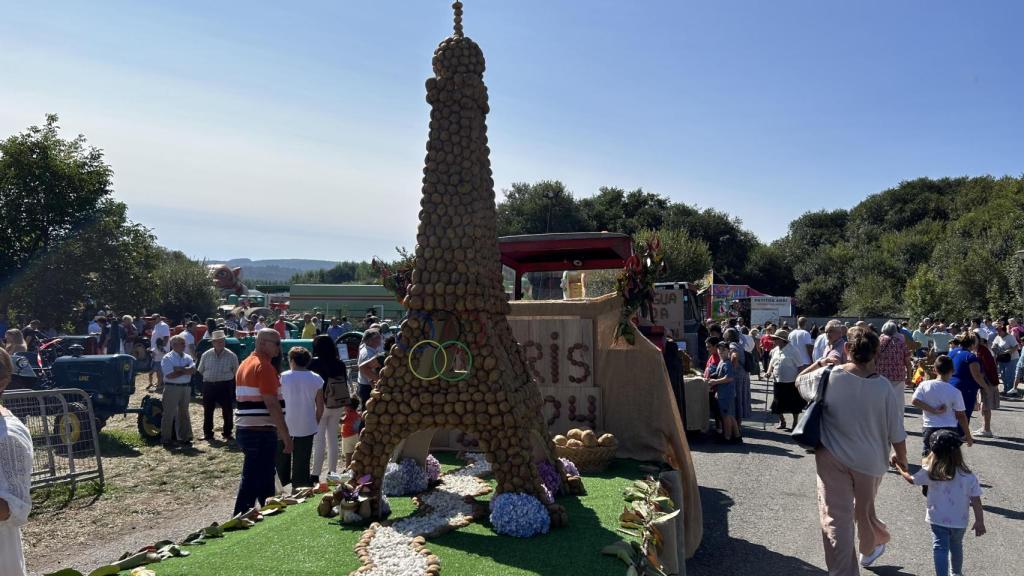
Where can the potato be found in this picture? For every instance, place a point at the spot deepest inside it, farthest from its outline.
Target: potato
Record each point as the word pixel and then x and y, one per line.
pixel 574 444
pixel 560 440
pixel 607 440
pixel 589 439
pixel 575 434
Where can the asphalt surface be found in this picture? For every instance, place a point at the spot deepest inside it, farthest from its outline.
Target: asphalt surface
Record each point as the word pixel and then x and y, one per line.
pixel 761 515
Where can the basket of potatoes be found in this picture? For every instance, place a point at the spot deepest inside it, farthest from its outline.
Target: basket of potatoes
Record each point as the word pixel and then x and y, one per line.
pixel 588 451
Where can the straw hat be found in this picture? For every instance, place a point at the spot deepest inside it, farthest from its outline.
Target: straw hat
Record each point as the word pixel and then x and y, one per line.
pixel 217 335
pixel 782 335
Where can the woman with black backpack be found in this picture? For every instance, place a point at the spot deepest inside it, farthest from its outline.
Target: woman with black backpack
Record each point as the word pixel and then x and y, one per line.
pixel 327 363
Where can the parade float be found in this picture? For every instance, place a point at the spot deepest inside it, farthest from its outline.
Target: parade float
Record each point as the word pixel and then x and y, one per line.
pixel 523 388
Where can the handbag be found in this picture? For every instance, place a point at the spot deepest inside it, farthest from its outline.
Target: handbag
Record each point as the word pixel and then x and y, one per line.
pixel 807 431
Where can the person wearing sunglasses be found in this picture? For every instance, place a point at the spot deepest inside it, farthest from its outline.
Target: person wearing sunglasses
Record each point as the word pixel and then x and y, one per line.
pixel 259 421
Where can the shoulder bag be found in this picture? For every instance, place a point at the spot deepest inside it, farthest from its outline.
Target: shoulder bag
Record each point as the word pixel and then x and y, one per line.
pixel 807 431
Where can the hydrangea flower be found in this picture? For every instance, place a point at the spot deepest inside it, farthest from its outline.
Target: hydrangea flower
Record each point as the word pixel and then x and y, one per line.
pixel 550 477
pixel 519 515
pixel 433 468
pixel 404 478
pixel 569 467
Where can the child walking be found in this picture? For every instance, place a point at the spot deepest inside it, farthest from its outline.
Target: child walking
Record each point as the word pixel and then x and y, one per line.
pixel 941 405
pixel 351 424
pixel 952 490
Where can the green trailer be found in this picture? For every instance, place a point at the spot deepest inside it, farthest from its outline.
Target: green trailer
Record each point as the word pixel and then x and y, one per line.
pixel 352 300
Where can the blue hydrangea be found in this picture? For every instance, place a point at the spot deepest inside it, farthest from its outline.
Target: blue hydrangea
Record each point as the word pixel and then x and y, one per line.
pixel 433 468
pixel 519 515
pixel 569 467
pixel 404 478
pixel 550 477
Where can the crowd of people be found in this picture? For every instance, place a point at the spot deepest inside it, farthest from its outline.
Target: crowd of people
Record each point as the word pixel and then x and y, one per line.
pixel 295 421
pixel 290 423
pixel 953 370
pixel 991 356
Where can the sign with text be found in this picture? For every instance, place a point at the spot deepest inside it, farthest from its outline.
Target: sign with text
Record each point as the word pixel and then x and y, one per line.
pixel 764 309
pixel 669 310
pixel 559 350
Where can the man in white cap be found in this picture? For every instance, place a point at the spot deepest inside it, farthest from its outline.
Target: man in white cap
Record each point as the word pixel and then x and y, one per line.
pixel 218 366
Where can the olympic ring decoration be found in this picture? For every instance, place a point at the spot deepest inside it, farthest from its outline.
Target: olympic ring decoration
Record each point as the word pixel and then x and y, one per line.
pixel 443 368
pixel 428 326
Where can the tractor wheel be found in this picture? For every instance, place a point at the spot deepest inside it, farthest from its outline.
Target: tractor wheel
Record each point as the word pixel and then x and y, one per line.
pixel 149 420
pixel 72 436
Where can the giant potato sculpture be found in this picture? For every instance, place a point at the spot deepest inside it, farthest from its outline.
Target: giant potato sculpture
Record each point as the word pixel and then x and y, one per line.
pixel 457 365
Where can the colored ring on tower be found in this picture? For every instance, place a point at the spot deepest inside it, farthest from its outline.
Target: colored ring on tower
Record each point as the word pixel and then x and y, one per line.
pixel 441 371
pixel 412 353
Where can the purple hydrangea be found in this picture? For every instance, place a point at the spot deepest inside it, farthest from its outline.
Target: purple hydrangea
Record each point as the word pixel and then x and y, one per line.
pixel 569 467
pixel 404 478
pixel 433 468
pixel 519 515
pixel 550 477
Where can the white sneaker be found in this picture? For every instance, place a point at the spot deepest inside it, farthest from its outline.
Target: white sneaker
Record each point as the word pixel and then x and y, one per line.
pixel 868 560
pixel 983 434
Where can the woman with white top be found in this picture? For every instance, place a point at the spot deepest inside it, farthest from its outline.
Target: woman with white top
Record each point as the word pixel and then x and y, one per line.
pixel 862 419
pixel 783 369
pixel 303 406
pixel 15 480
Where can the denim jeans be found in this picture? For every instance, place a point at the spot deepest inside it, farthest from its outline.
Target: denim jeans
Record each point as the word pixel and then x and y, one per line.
pixel 260 450
pixel 1007 371
pixel 947 546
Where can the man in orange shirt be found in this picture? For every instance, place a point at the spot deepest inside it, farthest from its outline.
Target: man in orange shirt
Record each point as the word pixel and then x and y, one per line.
pixel 259 421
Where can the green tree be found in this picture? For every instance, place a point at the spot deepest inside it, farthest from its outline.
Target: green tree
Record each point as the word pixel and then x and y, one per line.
pixel 615 210
pixel 49 187
pixel 546 206
pixel 72 244
pixel 687 259
pixel 182 287
pixel 768 271
pixel 729 243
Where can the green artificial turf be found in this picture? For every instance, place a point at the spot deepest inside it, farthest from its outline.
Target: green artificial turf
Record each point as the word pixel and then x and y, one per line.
pixel 298 542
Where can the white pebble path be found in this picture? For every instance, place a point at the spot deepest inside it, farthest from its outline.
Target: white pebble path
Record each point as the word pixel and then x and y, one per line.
pixel 391 551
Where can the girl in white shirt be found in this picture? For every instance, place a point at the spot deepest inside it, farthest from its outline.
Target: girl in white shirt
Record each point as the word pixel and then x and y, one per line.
pixel 953 490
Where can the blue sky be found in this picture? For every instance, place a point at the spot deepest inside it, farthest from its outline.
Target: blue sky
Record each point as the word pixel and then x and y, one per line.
pixel 268 130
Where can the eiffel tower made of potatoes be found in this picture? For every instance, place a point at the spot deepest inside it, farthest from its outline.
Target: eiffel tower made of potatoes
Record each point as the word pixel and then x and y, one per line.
pixel 456 365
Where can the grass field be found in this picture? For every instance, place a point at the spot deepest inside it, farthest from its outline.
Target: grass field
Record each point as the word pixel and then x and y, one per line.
pixel 298 542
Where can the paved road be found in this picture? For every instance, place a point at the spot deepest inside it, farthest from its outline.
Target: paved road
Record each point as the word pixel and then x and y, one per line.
pixel 760 508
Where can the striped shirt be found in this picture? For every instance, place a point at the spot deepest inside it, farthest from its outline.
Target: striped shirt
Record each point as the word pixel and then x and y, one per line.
pixel 255 378
pixel 218 367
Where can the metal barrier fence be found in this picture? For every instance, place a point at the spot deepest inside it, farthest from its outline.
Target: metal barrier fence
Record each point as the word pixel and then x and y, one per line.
pixel 64 436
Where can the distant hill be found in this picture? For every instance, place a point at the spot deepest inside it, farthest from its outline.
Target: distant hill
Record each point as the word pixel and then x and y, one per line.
pixel 274 270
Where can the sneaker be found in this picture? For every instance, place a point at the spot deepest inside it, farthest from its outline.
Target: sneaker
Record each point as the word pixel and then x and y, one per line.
pixel 982 434
pixel 868 560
